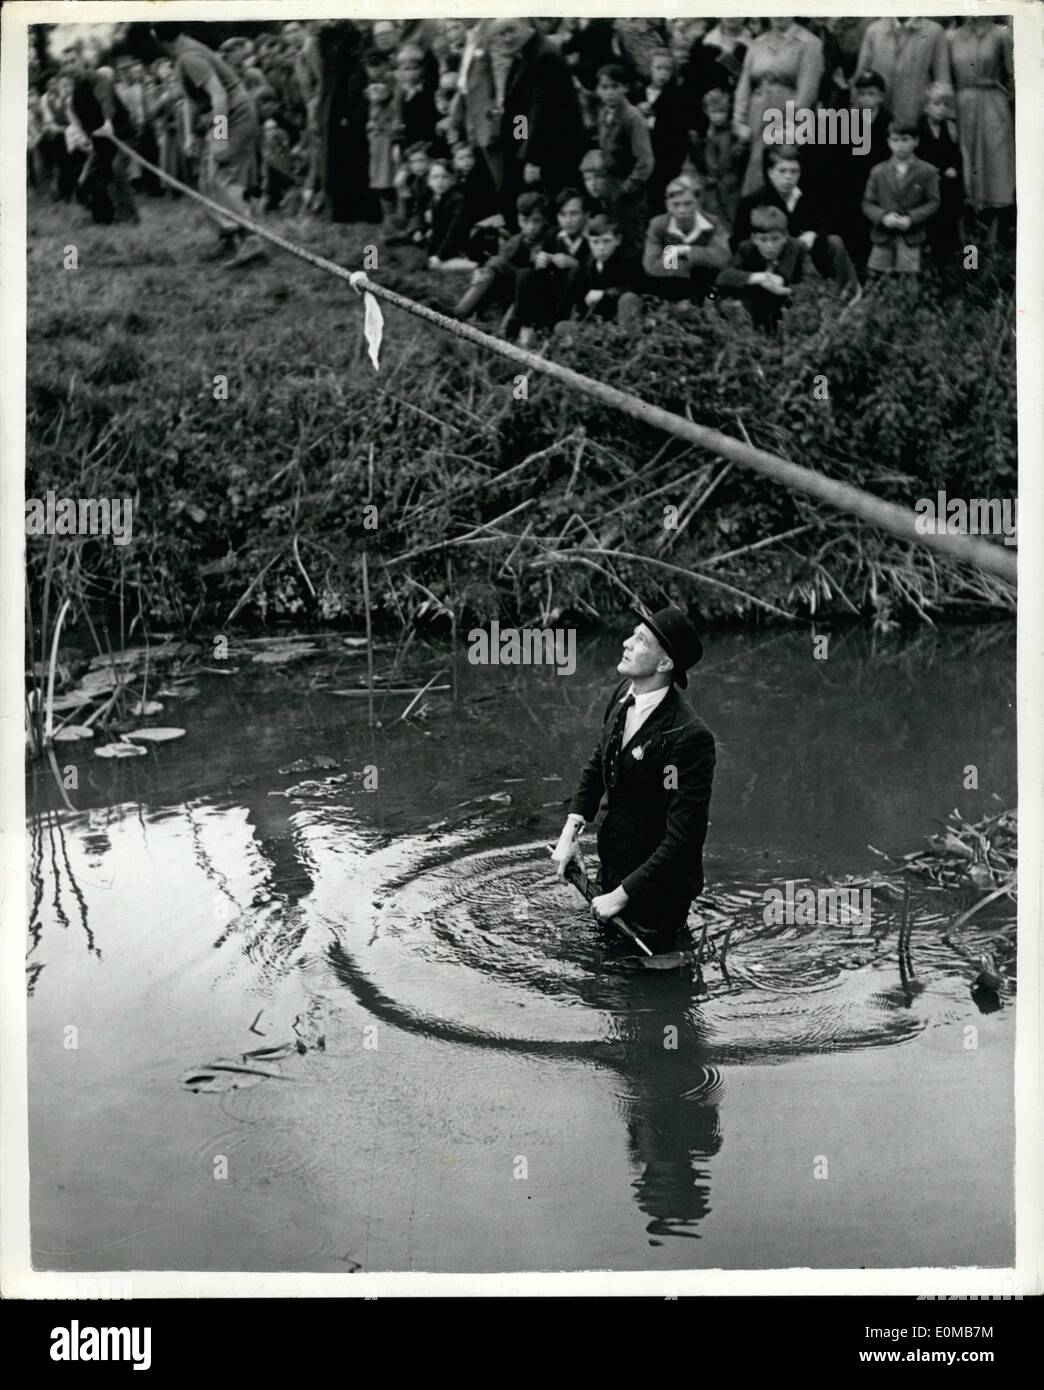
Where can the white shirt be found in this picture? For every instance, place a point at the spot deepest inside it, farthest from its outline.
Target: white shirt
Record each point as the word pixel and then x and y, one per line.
pixel 700 225
pixel 641 709
pixel 636 716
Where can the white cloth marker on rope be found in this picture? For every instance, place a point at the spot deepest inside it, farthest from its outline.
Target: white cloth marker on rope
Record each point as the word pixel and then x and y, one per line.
pixel 373 321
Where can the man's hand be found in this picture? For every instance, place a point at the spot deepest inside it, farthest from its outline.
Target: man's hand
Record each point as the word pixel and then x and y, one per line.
pixel 808 240
pixel 593 297
pixel 105 130
pixel 774 283
pixel 609 904
pixel 568 848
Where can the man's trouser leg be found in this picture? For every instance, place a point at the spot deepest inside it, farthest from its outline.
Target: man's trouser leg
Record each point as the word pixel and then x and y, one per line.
pixel 125 207
pixel 227 166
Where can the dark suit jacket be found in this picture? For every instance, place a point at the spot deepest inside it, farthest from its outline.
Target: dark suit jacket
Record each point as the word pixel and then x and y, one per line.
pixel 539 88
pixel 651 835
pixel 809 215
pixel 917 197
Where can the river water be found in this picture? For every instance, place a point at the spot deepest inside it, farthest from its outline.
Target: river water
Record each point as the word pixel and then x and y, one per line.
pixel 442 1068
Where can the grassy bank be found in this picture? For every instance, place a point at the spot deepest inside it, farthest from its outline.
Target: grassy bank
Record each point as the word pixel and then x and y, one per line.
pixel 250 510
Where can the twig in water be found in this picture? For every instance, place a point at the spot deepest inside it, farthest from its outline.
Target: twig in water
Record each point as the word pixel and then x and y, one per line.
pixel 423 691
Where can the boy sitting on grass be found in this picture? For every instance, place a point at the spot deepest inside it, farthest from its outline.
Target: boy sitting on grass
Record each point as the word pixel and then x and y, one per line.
pixel 765 267
pixel 413 193
pixel 442 214
pixel 498 278
pixel 901 195
pixel 808 217
pixel 607 285
pixel 542 295
pixel 684 247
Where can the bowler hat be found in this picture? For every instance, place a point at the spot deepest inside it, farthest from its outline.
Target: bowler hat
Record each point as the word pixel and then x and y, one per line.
pixel 677 637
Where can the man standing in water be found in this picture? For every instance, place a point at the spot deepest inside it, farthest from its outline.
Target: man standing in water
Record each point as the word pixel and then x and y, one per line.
pixel 650 774
pixel 227 168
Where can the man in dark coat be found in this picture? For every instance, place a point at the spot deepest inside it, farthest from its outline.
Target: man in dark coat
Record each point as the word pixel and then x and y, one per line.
pixel 520 107
pixel 649 778
pixel 104 185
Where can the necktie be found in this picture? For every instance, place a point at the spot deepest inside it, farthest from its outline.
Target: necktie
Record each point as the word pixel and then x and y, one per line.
pixel 615 744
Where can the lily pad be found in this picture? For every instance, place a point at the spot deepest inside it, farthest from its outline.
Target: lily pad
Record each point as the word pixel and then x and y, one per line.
pixel 120 750
pixel 72 733
pixel 155 735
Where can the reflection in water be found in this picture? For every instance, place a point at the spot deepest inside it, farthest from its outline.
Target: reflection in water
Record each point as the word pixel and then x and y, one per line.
pixel 426 909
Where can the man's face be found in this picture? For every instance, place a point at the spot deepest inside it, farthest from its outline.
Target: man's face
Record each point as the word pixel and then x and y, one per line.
pixel 769 243
pixel 642 654
pixel 868 98
pixel 293 33
pixel 938 108
pixel 418 164
pixel 784 175
pixel 509 35
pixel 571 217
pixel 385 35
pixel 661 71
pixel 902 146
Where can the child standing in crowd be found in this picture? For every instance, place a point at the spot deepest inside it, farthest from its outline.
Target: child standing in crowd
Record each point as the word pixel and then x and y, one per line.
pixel 666 114
pixel 684 247
pixel 845 169
pixel 765 267
pixel 938 144
pixel 901 195
pixel 382 126
pixel 623 138
pixel 415 104
pixel 720 157
pixel 596 185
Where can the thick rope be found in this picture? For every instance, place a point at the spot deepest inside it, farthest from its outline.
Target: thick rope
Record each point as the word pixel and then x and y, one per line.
pixel 844 497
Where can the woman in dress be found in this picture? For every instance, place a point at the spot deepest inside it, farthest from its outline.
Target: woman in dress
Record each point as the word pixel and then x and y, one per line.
pixel 981 57
pixel 783 64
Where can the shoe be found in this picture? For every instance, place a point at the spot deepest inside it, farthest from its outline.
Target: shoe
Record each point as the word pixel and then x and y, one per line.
pixel 251 249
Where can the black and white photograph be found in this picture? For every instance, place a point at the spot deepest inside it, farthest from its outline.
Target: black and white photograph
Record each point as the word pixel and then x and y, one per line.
pixel 525 683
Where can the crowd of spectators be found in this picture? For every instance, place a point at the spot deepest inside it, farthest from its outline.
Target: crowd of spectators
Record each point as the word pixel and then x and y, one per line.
pixel 567 167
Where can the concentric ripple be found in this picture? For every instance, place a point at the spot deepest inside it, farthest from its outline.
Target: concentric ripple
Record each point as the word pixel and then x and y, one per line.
pixel 482 945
